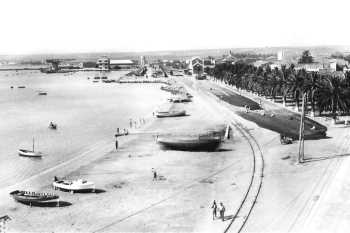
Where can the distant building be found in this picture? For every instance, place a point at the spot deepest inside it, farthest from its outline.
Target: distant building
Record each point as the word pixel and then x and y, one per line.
pixel 103 63
pixel 260 63
pixel 280 55
pixel 209 62
pixel 196 65
pixel 311 67
pixel 119 64
pixel 142 61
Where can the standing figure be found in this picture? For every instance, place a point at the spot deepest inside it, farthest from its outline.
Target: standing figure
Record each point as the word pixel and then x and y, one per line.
pixel 222 211
pixel 214 207
pixel 154 174
pixel 116 144
pixel 130 122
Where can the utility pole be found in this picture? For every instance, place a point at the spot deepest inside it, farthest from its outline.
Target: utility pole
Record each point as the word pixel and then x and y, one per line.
pixel 301 132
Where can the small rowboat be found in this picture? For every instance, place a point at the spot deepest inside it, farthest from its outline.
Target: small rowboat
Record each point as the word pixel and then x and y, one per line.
pixel 160 114
pixel 29 153
pixel 73 185
pixel 27 197
pixel 42 93
pixel 52 125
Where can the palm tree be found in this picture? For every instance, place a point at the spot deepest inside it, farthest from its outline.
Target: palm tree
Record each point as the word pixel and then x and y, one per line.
pixel 333 95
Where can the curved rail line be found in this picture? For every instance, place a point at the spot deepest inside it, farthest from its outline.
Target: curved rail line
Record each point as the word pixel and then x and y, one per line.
pixel 250 198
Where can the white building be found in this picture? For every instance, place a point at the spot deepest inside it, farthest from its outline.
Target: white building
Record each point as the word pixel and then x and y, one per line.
pixel 280 55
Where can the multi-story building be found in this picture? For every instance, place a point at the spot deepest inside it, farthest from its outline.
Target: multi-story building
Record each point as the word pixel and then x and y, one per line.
pixel 103 63
pixel 196 65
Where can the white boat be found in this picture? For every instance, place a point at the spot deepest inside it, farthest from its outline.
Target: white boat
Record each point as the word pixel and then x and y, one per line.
pixel 29 153
pixel 161 114
pixel 73 185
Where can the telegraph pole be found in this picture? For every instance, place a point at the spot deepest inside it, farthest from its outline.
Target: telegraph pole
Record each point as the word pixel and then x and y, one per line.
pixel 301 132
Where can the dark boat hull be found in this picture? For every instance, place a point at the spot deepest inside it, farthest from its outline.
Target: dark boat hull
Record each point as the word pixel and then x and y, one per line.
pixel 190 145
pixel 33 198
pixel 170 114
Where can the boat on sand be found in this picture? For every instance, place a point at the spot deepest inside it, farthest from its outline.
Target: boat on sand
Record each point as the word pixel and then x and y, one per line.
pixel 161 114
pixel 204 142
pixel 28 197
pixel 73 185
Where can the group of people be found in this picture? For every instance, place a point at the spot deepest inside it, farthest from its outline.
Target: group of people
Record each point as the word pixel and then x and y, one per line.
pixel 218 209
pixel 136 123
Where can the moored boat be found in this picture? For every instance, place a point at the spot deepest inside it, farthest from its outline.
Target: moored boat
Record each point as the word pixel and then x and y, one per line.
pixel 28 197
pixel 161 114
pixel 73 185
pixel 52 125
pixel 207 142
pixel 42 93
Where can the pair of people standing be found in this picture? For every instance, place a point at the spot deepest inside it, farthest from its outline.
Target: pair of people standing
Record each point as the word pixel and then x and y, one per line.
pixel 221 209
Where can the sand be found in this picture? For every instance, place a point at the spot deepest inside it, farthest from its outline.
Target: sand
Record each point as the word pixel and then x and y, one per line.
pixel 129 201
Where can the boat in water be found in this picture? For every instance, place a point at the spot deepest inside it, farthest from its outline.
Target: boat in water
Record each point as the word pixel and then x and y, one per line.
pixel 52 125
pixel 28 197
pixel 30 153
pixel 203 142
pixel 42 93
pixel 73 185
pixel 161 114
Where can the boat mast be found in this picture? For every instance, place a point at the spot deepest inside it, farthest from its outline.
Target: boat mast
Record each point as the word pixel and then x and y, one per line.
pixel 33 144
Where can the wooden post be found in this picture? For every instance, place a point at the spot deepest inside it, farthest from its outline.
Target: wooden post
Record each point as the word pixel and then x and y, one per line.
pixel 301 132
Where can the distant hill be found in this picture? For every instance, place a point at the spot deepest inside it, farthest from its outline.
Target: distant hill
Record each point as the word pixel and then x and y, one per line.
pixel 316 51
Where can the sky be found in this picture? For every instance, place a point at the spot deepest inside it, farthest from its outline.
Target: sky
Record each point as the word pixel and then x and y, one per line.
pixel 47 26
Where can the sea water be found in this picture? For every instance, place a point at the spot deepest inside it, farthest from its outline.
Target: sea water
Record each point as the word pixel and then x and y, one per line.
pixel 86 113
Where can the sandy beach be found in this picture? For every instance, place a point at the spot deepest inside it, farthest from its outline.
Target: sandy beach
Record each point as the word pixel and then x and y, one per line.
pixel 128 200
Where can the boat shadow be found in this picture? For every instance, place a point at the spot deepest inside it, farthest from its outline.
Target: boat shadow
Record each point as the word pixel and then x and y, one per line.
pixel 223 150
pixel 53 204
pixel 87 191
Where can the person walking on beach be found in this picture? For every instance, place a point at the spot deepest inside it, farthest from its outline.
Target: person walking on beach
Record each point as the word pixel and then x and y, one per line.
pixel 214 207
pixel 222 211
pixel 116 144
pixel 154 174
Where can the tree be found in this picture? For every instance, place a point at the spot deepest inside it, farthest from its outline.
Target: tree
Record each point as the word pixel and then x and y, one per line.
pixel 306 58
pixel 333 95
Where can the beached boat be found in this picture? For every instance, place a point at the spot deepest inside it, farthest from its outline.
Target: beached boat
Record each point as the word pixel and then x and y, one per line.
pixel 191 143
pixel 28 197
pixel 21 87
pixel 180 99
pixel 73 185
pixel 161 114
pixel 29 153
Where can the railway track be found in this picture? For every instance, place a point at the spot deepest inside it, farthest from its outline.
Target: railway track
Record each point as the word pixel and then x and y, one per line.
pixel 249 200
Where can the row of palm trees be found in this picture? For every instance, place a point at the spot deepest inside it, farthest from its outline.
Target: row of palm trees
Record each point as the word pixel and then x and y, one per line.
pixel 326 92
